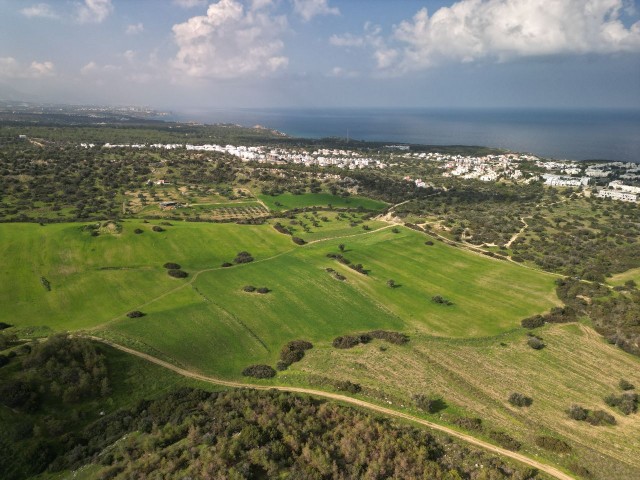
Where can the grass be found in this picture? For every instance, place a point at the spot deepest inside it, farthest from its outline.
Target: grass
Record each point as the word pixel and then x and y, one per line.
pixel 621 278
pixel 288 201
pixel 476 376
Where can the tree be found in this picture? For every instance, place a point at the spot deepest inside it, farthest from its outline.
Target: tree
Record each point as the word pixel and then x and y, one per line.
pixel 341 247
pixel 391 283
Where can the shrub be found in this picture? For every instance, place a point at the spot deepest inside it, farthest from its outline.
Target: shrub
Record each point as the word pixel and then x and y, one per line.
pixel 536 343
pixel 427 403
pixel 469 423
pixel 138 231
pixel 4 360
pixel 391 337
pixel 576 412
pixel 4 325
pixel 298 240
pixel 600 417
pixel 177 273
pixel 428 242
pixel 441 300
pixel 347 386
pixel 623 384
pixel 263 290
pixel 249 288
pixel 553 444
pixel 627 403
pixel 259 371
pixel 227 265
pixel 243 257
pixel 349 341
pixel 395 230
pixel 172 266
pixel 157 228
pixel 533 322
pixel 505 440
pixel 520 400
pixel 135 314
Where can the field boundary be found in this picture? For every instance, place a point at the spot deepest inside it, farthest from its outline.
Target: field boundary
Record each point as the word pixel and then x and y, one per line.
pixel 548 469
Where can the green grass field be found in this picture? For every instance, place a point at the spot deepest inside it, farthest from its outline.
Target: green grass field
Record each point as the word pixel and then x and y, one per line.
pixel 287 201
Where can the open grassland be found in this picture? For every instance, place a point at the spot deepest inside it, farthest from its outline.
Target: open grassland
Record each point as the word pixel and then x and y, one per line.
pixel 621 278
pixel 215 326
pixel 94 279
pixel 475 377
pixel 288 201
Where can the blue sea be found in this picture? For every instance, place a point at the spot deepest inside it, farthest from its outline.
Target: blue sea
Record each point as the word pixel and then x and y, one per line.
pixel 558 134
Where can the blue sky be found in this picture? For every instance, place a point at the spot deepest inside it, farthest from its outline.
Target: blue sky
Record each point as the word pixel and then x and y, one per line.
pixel 323 53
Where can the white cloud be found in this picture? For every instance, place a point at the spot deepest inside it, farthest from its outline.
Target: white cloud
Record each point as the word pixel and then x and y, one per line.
pixel 308 9
pixel 11 68
pixel 230 41
pixel 499 30
pixel 41 10
pixel 134 29
pixel 340 72
pixel 189 3
pixel 94 11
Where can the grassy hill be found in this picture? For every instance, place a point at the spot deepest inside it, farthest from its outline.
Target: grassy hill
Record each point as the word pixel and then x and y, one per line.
pixel 472 353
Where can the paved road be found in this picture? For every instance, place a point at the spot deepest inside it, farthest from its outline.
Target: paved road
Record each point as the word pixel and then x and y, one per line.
pixel 554 472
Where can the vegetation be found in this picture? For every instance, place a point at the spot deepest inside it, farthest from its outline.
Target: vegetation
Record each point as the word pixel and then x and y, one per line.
pixel 519 400
pixel 259 371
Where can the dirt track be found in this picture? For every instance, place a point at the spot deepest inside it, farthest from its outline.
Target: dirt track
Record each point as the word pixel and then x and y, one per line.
pixel 554 472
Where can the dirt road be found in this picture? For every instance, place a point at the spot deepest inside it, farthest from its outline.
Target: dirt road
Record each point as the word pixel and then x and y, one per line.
pixel 554 472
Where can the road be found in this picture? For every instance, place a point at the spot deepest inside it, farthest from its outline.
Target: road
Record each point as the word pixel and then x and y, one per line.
pixel 552 471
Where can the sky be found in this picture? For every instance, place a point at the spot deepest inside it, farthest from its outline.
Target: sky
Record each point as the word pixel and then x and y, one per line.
pixel 322 53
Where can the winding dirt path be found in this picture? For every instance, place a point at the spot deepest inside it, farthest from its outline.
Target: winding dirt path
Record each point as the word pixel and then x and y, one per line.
pixel 549 470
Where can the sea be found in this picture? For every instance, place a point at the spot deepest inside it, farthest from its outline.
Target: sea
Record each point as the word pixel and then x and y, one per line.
pixel 557 134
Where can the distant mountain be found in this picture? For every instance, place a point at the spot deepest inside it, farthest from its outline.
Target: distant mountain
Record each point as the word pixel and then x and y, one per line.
pixel 10 94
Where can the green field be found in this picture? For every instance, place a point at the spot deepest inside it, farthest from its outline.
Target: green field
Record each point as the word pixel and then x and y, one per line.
pixel 287 201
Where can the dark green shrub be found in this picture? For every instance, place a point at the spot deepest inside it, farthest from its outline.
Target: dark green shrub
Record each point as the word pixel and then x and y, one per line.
pixel 259 371
pixel 505 440
pixel 441 300
pixel 227 265
pixel 428 242
pixel 347 386
pixel 249 288
pixel 172 266
pixel 243 257
pixel 262 290
pixel 536 343
pixel 389 336
pixel 4 325
pixel 135 314
pixel 298 240
pixel 157 228
pixel 469 423
pixel 623 384
pixel 576 412
pixel 428 403
pixel 520 400
pixel 600 417
pixel 177 273
pixel 138 231
pixel 553 444
pixel 533 322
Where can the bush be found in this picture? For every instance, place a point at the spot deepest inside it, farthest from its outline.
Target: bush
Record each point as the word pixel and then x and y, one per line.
pixel 520 400
pixel 349 341
pixel 172 266
pixel 259 371
pixel 227 265
pixel 536 343
pixel 428 242
pixel 600 417
pixel 553 444
pixel 505 440
pixel 138 231
pixel 469 423
pixel 533 322
pixel 263 290
pixel 627 403
pixel 391 337
pixel 177 273
pixel 427 403
pixel 249 288
pixel 157 228
pixel 243 257
pixel 135 314
pixel 441 300
pixel 623 384
pixel 576 412
pixel 298 240
pixel 4 325
pixel 347 386
pixel 4 360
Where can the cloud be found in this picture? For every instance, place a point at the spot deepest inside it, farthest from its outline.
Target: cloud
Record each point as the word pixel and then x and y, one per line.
pixel 189 3
pixel 11 68
pixel 308 9
pixel 134 29
pixel 230 41
pixel 339 72
pixel 94 11
pixel 41 10
pixel 499 30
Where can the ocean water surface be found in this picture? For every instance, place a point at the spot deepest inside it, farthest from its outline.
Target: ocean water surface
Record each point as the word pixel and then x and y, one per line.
pixel 559 134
